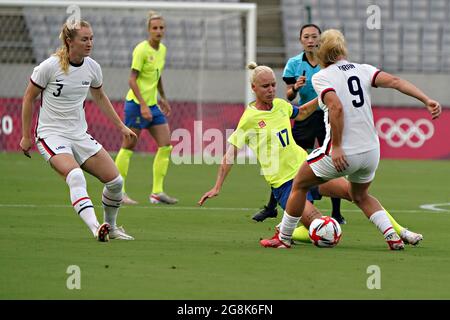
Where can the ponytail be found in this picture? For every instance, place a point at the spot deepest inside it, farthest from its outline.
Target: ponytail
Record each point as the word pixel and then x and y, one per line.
pixel 68 31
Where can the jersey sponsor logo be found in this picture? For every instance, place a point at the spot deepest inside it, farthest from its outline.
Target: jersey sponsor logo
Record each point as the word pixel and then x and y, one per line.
pixel 85 83
pixel 404 131
pixel 60 147
pixel 261 124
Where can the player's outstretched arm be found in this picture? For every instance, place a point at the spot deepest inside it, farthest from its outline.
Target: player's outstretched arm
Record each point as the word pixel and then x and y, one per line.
pixel 101 99
pixel 386 80
pixel 30 95
pixel 307 109
pixel 227 162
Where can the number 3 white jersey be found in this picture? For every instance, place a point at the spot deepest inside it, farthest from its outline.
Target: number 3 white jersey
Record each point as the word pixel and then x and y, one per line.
pixel 63 96
pixel 352 83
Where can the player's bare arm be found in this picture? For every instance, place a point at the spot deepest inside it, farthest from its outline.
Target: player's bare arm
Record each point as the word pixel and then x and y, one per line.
pixel 307 109
pixel 386 80
pixel 30 95
pixel 145 111
pixel 164 104
pixel 336 115
pixel 225 167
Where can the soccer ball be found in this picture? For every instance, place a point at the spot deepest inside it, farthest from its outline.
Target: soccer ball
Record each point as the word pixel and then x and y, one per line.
pixel 325 232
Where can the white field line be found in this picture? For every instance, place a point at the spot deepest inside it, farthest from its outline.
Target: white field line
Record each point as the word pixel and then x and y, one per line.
pixel 424 208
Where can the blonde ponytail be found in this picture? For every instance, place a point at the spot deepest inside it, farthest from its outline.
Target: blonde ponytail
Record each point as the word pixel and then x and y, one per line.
pixel 256 70
pixel 152 15
pixel 68 31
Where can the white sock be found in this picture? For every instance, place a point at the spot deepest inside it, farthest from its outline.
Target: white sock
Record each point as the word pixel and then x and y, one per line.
pixel 111 198
pixel 381 220
pixel 88 216
pixel 288 225
pixel 80 199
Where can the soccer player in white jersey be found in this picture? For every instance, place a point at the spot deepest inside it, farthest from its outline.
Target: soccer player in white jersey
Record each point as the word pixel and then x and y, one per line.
pixel 63 80
pixel 265 127
pixel 351 147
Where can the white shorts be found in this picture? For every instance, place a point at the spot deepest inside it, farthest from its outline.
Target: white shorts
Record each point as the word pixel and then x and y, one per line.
pixel 361 169
pixel 80 149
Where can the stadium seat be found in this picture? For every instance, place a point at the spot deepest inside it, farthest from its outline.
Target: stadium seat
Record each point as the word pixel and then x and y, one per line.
pixel 327 9
pixel 391 46
pixel 411 51
pixel 430 46
pixel 384 5
pixel 350 16
pixel 121 57
pixel 372 47
pixel 102 56
pixel 401 9
pixel 438 10
pixel 331 24
pixel 352 32
pixel 419 10
pixel 445 48
pixel 347 9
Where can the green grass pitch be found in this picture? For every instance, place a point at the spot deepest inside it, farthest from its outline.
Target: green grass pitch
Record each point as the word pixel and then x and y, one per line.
pixel 187 252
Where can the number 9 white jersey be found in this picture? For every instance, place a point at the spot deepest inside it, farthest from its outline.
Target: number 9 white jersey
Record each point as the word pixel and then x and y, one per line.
pixel 352 83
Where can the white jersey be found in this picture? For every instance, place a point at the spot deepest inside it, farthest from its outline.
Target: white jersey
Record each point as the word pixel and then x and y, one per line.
pixel 63 96
pixel 352 83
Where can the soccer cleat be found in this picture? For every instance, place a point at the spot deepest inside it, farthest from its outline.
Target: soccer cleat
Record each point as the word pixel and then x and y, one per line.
pixel 410 237
pixel 103 232
pixel 265 213
pixel 395 242
pixel 339 218
pixel 274 242
pixel 119 233
pixel 162 197
pixel 127 200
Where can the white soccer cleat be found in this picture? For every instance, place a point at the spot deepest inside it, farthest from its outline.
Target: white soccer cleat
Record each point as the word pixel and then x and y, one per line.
pixel 127 200
pixel 410 237
pixel 162 197
pixel 103 232
pixel 119 234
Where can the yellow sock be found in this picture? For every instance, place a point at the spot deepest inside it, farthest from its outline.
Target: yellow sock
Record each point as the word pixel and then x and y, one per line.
pixel 301 234
pixel 123 162
pixel 160 165
pixel 398 228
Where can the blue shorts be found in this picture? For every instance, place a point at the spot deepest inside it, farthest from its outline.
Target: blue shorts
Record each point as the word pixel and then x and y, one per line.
pixel 133 117
pixel 282 194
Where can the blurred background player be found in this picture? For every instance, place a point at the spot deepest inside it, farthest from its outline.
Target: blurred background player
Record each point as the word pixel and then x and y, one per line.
pixel 297 76
pixel 351 146
pixel 143 112
pixel 64 80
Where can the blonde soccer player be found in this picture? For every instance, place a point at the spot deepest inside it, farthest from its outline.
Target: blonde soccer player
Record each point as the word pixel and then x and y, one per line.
pixel 351 147
pixel 143 112
pixel 265 127
pixel 297 75
pixel 64 81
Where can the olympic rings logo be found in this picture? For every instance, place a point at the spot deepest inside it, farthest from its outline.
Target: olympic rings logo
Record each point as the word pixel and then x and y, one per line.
pixel 405 131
